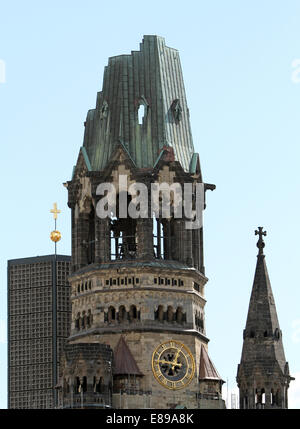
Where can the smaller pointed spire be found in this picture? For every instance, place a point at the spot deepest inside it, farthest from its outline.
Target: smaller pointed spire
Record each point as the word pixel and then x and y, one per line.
pixel 207 370
pixel 263 368
pixel 260 244
pixel 124 362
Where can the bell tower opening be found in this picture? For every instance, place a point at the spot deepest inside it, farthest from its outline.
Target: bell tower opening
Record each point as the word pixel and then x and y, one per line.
pixel 163 238
pixel 123 232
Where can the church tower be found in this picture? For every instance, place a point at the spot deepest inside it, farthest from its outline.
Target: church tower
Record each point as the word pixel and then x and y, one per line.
pixel 263 374
pixel 138 281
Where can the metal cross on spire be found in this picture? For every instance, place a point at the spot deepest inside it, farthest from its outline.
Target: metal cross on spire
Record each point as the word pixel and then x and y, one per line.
pixel 55 211
pixel 260 244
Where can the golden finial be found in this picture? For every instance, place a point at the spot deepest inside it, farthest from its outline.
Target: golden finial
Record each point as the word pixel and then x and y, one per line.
pixel 55 235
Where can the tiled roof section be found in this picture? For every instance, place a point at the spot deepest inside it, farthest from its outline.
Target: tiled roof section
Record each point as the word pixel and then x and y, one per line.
pixel 207 369
pixel 124 362
pixel 152 78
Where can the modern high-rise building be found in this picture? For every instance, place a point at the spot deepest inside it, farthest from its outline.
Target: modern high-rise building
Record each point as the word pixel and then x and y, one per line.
pixel 39 315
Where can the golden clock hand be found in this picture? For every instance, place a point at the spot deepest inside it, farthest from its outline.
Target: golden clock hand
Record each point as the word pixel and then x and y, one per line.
pixel 176 364
pixel 177 354
pixel 175 361
pixel 164 361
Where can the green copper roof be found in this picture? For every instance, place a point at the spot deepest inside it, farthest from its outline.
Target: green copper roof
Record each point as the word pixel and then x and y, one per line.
pixel 86 158
pixel 150 80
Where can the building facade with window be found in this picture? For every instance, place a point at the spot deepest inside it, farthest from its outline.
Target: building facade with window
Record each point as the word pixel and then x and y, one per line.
pixel 39 316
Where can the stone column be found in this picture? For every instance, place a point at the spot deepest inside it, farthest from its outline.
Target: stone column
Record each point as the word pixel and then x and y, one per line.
pixel 267 397
pixel 73 232
pixel 144 233
pixel 251 399
pixel 90 382
pixel 82 232
pixel 102 234
pixel 177 251
pixel 196 248
pixel 187 243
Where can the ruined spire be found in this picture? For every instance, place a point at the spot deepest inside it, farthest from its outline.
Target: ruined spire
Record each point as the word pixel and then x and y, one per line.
pixel 142 104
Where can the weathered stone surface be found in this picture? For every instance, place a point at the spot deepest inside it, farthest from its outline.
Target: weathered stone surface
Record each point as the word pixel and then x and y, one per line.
pixel 139 279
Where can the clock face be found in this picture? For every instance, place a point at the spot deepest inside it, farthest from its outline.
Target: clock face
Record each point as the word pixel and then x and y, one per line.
pixel 173 365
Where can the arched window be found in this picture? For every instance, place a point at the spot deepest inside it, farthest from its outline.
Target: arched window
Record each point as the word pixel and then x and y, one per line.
pixel 111 314
pixel 132 313
pixel 122 313
pixel 260 398
pixel 170 314
pixel 275 395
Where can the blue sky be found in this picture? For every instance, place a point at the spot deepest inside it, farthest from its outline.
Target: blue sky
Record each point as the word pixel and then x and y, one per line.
pixel 237 60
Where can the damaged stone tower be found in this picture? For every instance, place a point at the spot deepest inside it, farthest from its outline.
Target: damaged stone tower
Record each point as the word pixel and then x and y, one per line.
pixel 138 337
